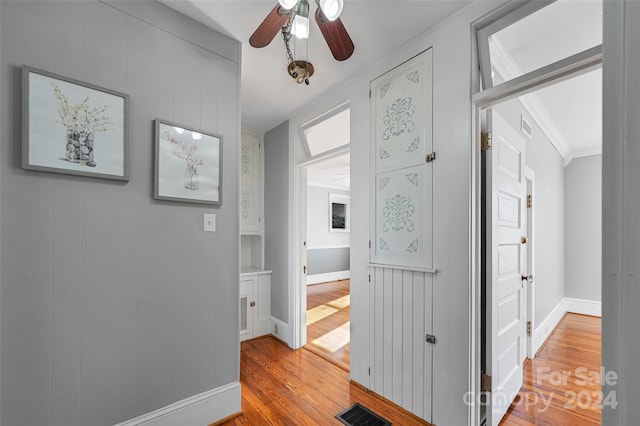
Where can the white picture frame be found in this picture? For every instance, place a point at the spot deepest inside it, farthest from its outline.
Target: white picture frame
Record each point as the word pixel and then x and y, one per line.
pixel 339 212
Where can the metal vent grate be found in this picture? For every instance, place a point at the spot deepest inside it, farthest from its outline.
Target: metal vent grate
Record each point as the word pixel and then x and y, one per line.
pixel 357 415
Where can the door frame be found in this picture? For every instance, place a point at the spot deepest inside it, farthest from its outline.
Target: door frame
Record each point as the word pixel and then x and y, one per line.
pixel 556 72
pixel 530 175
pixel 300 284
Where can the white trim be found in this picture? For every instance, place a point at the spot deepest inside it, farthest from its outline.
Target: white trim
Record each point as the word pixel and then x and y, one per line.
pixel 556 72
pixel 566 304
pixel 326 246
pixel 328 277
pixel 205 408
pixel 586 152
pixel 403 268
pixel 543 330
pixel 327 186
pixel 531 254
pixel 584 306
pixel 508 70
pixel 282 331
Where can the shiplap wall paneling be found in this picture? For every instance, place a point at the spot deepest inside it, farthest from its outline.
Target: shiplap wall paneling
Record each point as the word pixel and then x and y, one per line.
pixel 401 359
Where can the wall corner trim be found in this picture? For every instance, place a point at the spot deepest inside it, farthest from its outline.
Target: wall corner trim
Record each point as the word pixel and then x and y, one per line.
pixel 566 304
pixel 202 409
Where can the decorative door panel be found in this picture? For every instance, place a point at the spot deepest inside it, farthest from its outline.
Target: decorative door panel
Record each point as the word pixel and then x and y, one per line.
pixel 249 183
pixel 403 213
pixel 402 114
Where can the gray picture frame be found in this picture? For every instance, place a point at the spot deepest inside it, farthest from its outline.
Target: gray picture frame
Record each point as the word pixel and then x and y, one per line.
pixel 188 164
pixel 72 127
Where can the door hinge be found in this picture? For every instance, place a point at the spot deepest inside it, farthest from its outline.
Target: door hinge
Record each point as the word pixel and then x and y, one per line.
pixel 528 328
pixel 430 157
pixel 485 141
pixel 430 338
pixel 369 370
pixel 369 277
pixel 485 382
pixel 369 93
pixel 369 244
pixel 529 201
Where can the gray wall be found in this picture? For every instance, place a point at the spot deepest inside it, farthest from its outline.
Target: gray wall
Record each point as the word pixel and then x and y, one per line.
pixel 583 228
pixel 318 219
pixel 277 217
pixel 325 260
pixel 113 304
pixel 549 238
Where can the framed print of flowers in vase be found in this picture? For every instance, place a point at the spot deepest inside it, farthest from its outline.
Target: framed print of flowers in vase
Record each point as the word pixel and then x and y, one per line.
pixel 188 164
pixel 73 127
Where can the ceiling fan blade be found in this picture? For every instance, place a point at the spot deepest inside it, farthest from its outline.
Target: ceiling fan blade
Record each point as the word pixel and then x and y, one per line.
pixel 336 36
pixel 271 25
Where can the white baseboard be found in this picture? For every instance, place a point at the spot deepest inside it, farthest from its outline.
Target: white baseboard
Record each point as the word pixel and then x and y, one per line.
pixel 282 331
pixel 203 409
pixel 546 326
pixel 329 276
pixel 566 304
pixel 584 306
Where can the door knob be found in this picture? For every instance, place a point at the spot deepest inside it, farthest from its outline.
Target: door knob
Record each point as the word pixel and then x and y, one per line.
pixel 528 278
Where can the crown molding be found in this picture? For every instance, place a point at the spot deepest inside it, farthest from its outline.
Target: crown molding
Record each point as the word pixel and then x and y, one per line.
pixel 503 64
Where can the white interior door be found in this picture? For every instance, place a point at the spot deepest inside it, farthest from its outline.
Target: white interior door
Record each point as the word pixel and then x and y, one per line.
pixel 506 260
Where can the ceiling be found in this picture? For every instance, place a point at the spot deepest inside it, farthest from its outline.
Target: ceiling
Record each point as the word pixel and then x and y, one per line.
pixel 571 110
pixel 333 172
pixel 268 95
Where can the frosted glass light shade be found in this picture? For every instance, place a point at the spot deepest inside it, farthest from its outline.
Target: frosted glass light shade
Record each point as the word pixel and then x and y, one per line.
pixel 288 4
pixel 300 26
pixel 331 8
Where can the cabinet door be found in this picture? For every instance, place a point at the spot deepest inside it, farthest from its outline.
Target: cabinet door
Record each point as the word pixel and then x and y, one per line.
pixel 246 310
pixel 250 183
pixel 262 315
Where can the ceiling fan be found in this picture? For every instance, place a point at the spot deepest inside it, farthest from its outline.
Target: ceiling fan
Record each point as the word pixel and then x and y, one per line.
pixel 291 17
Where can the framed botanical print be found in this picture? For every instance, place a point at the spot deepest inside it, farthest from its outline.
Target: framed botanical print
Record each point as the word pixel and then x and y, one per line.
pixel 188 164
pixel 73 127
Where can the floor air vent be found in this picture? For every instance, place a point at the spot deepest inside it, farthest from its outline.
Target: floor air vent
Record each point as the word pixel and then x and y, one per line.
pixel 357 415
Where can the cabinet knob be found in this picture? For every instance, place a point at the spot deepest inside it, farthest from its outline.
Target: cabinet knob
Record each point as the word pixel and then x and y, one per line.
pixel 252 304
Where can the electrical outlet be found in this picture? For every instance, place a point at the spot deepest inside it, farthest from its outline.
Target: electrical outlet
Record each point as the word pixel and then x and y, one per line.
pixel 209 222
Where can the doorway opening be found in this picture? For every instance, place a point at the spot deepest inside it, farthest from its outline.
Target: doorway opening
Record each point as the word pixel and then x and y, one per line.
pixel 542 208
pixel 328 248
pixel 540 108
pixel 322 303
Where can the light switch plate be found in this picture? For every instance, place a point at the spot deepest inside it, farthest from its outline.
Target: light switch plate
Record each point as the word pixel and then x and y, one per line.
pixel 209 222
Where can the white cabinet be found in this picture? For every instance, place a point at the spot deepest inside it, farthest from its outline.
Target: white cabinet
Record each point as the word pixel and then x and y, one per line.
pixel 255 282
pixel 250 183
pixel 255 304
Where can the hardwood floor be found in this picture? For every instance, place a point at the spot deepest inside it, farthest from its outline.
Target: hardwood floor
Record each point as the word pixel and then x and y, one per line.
pixel 328 314
pixel 562 384
pixel 281 386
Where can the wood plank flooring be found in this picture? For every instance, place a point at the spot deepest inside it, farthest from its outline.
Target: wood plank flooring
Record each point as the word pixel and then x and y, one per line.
pixel 328 314
pixel 281 386
pixel 562 384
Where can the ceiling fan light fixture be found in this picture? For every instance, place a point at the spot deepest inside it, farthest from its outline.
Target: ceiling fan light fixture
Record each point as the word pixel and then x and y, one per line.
pixel 300 25
pixel 331 8
pixel 288 4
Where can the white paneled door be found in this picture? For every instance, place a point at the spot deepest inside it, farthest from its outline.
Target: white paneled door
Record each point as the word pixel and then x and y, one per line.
pixel 506 239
